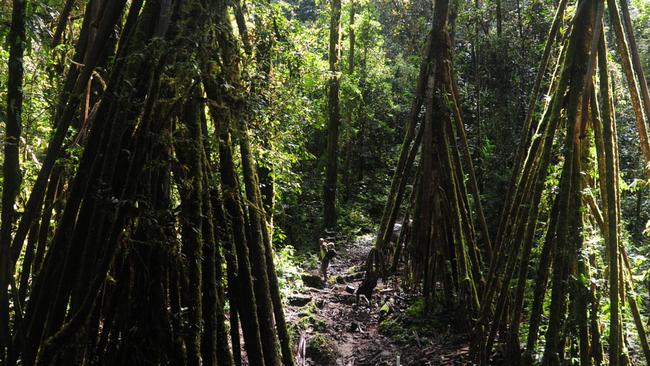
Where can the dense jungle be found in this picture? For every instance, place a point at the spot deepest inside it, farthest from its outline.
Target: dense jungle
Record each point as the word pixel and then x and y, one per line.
pixel 324 182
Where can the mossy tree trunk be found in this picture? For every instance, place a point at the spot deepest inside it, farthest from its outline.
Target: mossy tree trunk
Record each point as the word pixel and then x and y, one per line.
pixel 334 115
pixel 17 41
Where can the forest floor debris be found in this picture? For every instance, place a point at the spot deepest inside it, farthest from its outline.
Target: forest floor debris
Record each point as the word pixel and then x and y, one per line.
pixel 337 331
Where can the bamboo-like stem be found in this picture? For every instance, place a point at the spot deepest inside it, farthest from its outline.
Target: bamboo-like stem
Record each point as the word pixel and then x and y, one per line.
pixel 467 160
pixel 580 58
pixel 611 204
pixel 394 198
pixel 626 62
pixel 528 129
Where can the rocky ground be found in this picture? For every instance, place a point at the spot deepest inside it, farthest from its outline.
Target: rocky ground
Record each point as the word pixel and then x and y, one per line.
pixel 332 329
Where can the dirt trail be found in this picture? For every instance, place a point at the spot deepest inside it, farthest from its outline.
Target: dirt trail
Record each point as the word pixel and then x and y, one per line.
pixel 337 331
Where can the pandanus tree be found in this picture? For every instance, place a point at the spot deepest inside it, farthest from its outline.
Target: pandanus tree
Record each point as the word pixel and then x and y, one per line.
pixel 578 115
pixel 578 118
pixel 444 247
pixel 133 271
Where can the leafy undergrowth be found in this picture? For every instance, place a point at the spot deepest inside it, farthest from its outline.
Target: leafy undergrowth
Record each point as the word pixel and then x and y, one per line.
pixel 330 328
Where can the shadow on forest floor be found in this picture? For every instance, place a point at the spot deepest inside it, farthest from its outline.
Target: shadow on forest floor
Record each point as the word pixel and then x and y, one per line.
pixel 331 329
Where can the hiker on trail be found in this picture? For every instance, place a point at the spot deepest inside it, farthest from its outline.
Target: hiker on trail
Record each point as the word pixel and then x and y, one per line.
pixel 327 253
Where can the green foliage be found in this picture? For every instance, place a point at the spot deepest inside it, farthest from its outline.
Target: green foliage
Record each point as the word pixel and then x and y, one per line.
pixel 287 270
pixel 417 309
pixel 291 114
pixel 354 218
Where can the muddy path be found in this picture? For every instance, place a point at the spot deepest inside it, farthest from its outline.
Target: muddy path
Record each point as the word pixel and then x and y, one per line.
pixel 330 328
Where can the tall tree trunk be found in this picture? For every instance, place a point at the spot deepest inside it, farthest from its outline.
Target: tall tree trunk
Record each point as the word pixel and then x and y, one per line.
pixel 232 203
pixel 11 165
pixel 499 17
pixel 476 54
pixel 331 173
pixel 257 249
pixel 611 204
pixel 214 234
pixel 352 37
pixel 224 117
pixel 584 37
pixel 351 136
pixel 189 153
